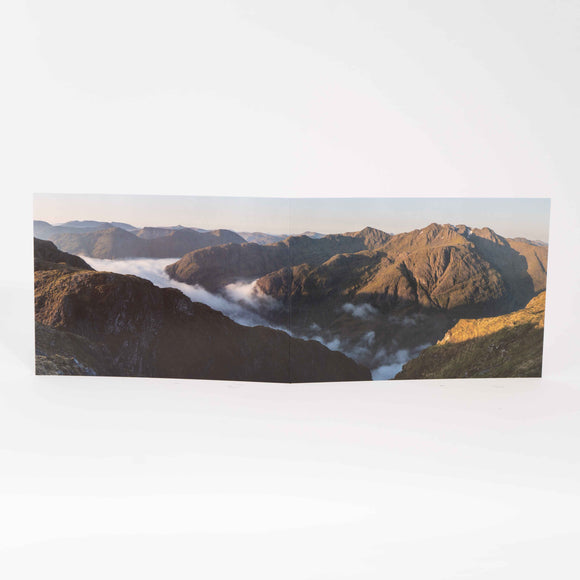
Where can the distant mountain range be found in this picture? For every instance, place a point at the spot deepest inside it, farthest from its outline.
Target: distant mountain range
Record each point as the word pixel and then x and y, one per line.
pixel 109 240
pixel 105 240
pixel 87 225
pixel 261 238
pixel 265 239
pixel 100 323
pixel 315 235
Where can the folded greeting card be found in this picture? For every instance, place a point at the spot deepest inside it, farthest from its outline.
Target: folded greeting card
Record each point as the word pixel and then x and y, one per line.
pixel 290 289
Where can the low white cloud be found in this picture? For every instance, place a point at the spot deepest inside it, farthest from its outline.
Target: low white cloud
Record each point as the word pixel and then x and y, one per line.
pixel 332 344
pixel 386 372
pixel 238 304
pixel 393 364
pixel 149 268
pixel 409 320
pixel 363 311
pixel 369 338
pixel 248 294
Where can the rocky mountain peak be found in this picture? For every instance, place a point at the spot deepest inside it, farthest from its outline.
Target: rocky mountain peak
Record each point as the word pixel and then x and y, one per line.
pixel 373 238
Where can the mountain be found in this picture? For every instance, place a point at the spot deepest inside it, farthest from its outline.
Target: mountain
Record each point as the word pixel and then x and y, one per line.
pixel 47 231
pixel 90 322
pixel 533 242
pixel 42 229
pixel 372 238
pixel 315 235
pixel 213 268
pixel 151 233
pixel 110 243
pixel 264 239
pixel 118 243
pixel 261 238
pixel 48 257
pixel 96 225
pixel 438 267
pixel 523 264
pixel 502 346
pixel 377 294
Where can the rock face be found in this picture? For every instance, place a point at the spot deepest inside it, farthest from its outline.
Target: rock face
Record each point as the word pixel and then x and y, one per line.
pixel 87 225
pixel 64 353
pixel 117 242
pixel 501 346
pixel 103 323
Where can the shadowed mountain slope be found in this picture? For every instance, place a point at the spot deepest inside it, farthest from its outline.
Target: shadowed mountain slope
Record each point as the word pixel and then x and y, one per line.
pixel 103 323
pixel 48 257
pixel 64 353
pixel 523 264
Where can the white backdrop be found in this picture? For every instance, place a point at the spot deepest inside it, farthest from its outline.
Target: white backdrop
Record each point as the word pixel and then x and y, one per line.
pixel 145 478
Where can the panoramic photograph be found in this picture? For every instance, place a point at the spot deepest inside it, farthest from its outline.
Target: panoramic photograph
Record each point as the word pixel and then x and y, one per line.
pixel 289 290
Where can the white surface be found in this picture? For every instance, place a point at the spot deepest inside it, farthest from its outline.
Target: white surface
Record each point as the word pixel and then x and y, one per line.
pixel 137 478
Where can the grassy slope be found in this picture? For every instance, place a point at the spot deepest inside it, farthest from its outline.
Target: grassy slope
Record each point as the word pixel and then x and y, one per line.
pixel 501 346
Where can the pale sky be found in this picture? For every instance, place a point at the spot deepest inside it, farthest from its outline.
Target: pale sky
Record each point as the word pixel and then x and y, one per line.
pixel 511 217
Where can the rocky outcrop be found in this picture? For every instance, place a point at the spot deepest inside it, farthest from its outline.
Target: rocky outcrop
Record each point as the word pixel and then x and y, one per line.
pixel 63 353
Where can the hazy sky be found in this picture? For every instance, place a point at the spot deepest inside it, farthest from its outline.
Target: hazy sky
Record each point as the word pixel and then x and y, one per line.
pixel 527 217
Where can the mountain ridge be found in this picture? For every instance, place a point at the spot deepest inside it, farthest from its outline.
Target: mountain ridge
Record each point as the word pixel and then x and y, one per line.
pixel 91 322
pixel 149 242
pixel 438 266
